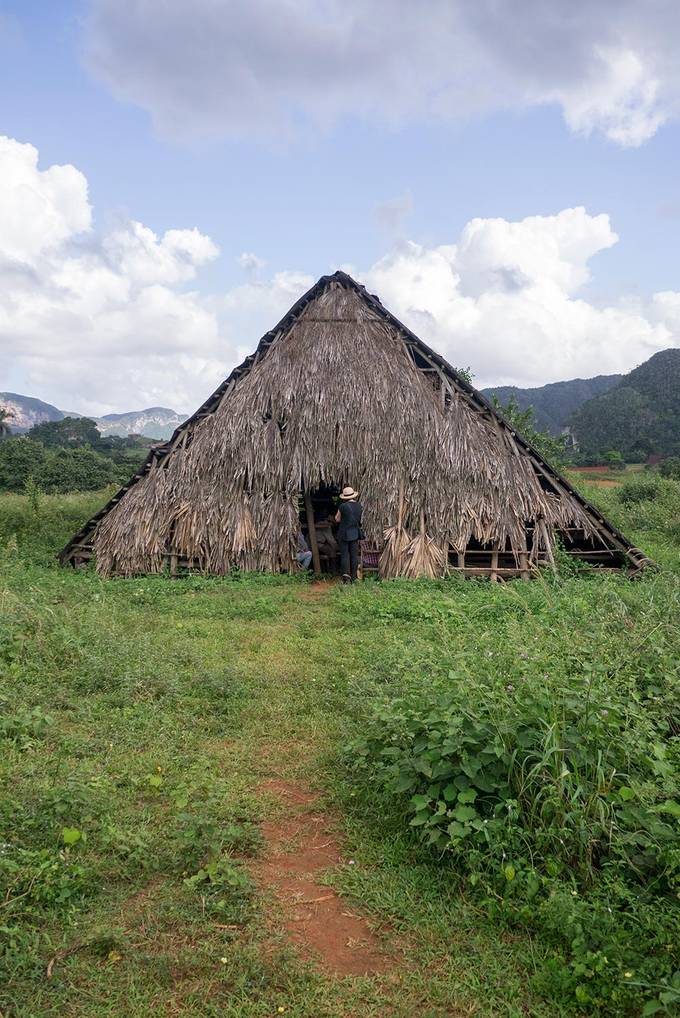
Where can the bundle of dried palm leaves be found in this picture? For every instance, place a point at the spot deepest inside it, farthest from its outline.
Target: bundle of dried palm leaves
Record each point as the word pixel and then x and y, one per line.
pixel 244 540
pixel 397 541
pixel 423 557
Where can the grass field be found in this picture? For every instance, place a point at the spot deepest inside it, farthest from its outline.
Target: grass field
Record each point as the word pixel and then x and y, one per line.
pixel 604 476
pixel 145 725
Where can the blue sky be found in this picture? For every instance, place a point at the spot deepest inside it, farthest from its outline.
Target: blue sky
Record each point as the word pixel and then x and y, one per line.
pixel 310 168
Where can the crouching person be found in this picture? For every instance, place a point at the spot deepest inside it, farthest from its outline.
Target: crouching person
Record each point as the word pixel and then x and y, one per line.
pixel 304 555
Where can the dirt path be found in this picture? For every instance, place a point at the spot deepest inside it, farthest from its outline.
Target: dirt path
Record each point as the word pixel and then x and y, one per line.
pixel 299 845
pixel 301 840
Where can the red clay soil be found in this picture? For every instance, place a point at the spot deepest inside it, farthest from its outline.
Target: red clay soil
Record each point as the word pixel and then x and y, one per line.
pixel 317 588
pixel 298 847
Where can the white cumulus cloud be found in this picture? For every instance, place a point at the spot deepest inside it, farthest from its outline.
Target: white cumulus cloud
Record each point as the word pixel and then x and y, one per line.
pixel 250 262
pixel 94 320
pixel 173 258
pixel 623 100
pixel 38 208
pixel 505 300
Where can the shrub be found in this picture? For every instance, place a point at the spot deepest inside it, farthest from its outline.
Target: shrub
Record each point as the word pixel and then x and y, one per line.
pixel 20 458
pixel 559 809
pixel 614 460
pixel 671 468
pixel 59 469
pixel 78 469
pixel 640 489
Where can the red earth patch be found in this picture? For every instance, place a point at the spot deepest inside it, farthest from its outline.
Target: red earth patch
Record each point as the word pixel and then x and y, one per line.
pixel 298 847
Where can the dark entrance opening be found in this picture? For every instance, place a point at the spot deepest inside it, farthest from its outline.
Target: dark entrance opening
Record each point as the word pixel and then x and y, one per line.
pixel 323 502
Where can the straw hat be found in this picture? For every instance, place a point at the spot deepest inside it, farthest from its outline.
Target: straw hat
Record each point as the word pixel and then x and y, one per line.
pixel 349 494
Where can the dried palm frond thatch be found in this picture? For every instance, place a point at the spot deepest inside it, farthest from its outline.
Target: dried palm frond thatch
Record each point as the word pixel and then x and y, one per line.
pixel 340 392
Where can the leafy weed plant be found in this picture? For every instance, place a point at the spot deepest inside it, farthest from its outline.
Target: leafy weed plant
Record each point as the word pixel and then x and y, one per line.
pixel 548 778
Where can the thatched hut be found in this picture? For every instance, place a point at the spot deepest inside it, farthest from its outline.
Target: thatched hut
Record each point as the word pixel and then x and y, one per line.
pixel 341 392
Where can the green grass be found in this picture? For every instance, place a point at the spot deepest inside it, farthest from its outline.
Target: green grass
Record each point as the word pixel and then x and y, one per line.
pixel 139 717
pixel 603 473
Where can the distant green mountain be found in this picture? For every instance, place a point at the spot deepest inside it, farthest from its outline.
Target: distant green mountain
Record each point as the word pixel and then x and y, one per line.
pixel 639 416
pixel 555 403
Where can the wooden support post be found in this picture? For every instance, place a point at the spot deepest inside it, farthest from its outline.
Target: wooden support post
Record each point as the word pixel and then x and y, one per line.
pixel 523 557
pixel 309 509
pixel 461 560
pixel 494 564
pixel 547 542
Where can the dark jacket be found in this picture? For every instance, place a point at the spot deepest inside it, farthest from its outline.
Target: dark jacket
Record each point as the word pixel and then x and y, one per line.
pixel 350 521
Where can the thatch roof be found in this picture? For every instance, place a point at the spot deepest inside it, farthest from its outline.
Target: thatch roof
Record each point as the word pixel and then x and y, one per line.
pixel 341 392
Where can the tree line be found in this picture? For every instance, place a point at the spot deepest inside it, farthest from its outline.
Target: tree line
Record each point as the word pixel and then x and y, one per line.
pixel 67 455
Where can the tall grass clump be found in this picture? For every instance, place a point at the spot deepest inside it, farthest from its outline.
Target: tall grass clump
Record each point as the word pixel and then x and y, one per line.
pixel 35 526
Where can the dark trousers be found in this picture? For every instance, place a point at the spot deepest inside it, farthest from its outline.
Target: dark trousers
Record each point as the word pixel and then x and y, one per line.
pixel 349 557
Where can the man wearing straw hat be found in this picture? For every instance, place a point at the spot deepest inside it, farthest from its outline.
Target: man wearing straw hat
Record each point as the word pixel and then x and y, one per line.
pixel 349 517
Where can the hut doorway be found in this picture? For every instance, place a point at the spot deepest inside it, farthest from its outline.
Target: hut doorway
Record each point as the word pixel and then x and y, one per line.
pixel 317 523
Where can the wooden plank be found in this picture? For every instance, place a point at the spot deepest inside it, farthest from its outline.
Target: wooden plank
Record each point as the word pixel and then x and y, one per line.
pixel 485 571
pixel 316 561
pixel 483 551
pixel 593 552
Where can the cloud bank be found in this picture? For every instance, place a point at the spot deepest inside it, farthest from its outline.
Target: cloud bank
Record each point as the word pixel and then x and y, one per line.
pixel 266 67
pixel 505 300
pixel 115 321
